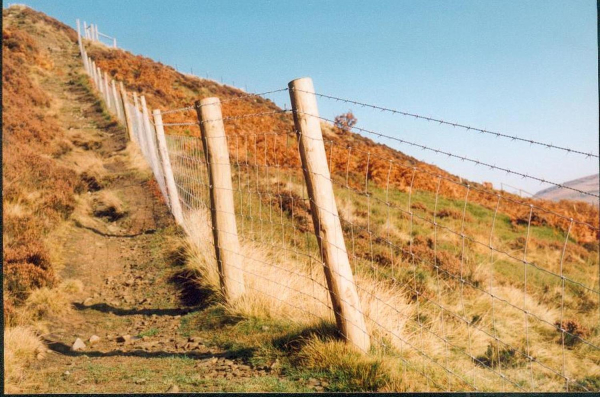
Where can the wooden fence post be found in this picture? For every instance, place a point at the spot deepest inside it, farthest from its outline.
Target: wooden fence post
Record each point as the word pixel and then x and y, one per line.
pixel 153 153
pixel 125 101
pixel 85 30
pixel 116 101
pixel 100 82
pixel 344 297
pixel 107 95
pixel 94 77
pixel 222 210
pixel 139 126
pixel 167 169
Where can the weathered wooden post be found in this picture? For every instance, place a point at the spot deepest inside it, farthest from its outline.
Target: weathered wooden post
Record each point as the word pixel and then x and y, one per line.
pixel 79 34
pixel 125 101
pixel 96 33
pixel 100 82
pixel 167 169
pixel 116 102
pixel 340 280
pixel 150 142
pixel 227 245
pixel 94 77
pixel 107 94
pixel 139 126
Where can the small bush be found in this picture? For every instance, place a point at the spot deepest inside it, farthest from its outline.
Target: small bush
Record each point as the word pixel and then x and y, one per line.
pixel 504 357
pixel 573 332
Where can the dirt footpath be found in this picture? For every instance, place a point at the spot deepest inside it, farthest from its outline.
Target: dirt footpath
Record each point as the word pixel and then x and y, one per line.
pixel 124 333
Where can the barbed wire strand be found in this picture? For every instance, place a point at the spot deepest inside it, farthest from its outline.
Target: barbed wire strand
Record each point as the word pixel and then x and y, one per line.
pixel 463 126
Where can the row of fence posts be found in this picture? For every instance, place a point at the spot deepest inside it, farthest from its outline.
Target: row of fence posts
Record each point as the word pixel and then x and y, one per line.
pixel 150 138
pixel 90 32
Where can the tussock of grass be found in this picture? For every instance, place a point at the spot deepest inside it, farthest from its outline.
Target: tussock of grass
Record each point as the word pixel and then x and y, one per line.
pixel 347 369
pixel 21 345
pixel 46 302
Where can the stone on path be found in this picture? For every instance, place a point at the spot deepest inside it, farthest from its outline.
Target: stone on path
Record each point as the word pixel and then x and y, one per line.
pixel 94 339
pixel 78 345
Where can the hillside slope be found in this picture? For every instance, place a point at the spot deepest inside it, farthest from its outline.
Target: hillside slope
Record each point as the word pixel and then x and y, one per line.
pixel 90 249
pixel 165 88
pixel 113 254
pixel 590 184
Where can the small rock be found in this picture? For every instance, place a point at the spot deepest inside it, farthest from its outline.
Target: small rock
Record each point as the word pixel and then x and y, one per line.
pixel 67 373
pixel 40 356
pixel 173 389
pixel 140 381
pixel 124 338
pixel 78 345
pixel 94 339
pixel 88 302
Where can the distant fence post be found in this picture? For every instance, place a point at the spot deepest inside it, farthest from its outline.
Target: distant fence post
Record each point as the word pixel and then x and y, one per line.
pixel 167 169
pixel 85 30
pixel 152 152
pixel 139 123
pixel 125 102
pixel 94 74
pixel 116 101
pixel 100 83
pixel 328 229
pixel 114 42
pixel 107 93
pixel 227 245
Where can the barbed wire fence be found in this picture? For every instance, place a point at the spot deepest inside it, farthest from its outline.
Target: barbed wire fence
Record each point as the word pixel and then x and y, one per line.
pixel 462 286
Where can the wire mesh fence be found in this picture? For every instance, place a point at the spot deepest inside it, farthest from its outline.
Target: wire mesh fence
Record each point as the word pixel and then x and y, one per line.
pixel 462 287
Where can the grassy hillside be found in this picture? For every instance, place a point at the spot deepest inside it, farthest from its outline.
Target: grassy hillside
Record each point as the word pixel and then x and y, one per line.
pixel 165 88
pixel 38 190
pixel 419 241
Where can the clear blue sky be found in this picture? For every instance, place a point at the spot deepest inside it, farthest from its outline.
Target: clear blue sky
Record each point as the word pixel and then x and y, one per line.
pixel 526 68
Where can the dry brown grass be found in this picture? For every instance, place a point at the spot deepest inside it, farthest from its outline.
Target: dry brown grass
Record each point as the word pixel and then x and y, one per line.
pixel 21 346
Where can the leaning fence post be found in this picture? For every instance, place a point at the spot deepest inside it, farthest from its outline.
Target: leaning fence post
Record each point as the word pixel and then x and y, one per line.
pixel 125 102
pixel 227 245
pixel 167 169
pixel 328 229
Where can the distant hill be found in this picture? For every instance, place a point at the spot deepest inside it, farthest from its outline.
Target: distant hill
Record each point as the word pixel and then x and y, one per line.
pixel 590 184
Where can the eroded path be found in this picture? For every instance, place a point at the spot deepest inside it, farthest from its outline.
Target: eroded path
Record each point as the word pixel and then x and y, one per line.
pixel 119 243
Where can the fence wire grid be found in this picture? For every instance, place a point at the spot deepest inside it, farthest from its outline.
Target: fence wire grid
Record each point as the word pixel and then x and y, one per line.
pixel 462 287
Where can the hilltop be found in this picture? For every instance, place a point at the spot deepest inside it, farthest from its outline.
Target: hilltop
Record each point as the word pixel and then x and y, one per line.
pixel 590 184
